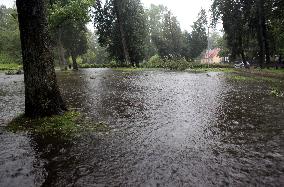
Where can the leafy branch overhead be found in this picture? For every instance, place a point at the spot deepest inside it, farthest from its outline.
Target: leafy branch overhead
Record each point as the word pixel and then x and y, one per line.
pixel 75 10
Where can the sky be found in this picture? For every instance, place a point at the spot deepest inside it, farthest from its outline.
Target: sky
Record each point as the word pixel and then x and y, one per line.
pixel 186 11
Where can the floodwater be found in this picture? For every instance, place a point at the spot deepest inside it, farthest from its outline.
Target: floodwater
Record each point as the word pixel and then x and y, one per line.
pixel 167 129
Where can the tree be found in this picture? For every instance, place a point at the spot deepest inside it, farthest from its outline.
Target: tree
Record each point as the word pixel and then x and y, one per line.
pixel 214 39
pixel 69 16
pixel 42 95
pixel 252 27
pixel 74 40
pixel 169 42
pixel 198 36
pixel 155 16
pixel 10 45
pixel 121 27
pixel 235 25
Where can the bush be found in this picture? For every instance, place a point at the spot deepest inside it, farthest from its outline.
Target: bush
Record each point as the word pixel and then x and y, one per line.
pixel 89 57
pixel 6 59
pixel 154 62
pixel 179 64
pixel 158 62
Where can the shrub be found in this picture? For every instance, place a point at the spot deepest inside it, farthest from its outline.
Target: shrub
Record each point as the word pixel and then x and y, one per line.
pixel 6 59
pixel 179 64
pixel 154 62
pixel 89 57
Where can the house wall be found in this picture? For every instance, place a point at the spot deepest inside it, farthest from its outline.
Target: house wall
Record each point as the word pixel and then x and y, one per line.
pixel 215 60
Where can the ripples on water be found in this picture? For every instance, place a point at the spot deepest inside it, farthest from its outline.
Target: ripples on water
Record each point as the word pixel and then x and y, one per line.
pixel 168 129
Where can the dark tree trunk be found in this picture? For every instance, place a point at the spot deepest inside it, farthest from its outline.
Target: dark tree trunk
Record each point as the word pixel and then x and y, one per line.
pixel 74 60
pixel 264 51
pixel 118 8
pixel 42 95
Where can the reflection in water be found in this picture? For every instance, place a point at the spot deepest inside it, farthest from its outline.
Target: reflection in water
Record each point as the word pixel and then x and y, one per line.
pixel 168 129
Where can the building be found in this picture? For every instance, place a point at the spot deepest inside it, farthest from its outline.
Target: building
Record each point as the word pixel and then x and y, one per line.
pixel 211 57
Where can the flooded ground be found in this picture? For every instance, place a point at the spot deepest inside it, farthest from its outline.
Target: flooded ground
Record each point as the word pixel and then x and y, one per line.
pixel 167 129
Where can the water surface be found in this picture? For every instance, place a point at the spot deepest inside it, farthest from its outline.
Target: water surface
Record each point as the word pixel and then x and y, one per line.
pixel 167 129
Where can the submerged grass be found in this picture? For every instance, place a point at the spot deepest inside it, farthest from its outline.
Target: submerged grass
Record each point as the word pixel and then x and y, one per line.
pixel 271 70
pixel 204 70
pixel 275 85
pixel 239 76
pixel 66 126
pixel 129 69
pixel 276 92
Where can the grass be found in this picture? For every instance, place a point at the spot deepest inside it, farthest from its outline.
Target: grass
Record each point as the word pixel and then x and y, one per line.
pixel 204 70
pixel 275 84
pixel 239 76
pixel 271 70
pixel 7 67
pixel 242 78
pixel 66 126
pixel 129 69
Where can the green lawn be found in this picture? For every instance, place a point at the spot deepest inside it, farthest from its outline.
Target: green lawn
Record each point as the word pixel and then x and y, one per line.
pixel 13 66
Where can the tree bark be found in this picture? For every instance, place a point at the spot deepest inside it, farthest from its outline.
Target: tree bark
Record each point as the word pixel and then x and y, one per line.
pixel 42 95
pixel 74 60
pixel 264 51
pixel 118 9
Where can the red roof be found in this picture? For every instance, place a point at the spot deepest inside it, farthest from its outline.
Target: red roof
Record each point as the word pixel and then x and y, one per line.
pixel 212 53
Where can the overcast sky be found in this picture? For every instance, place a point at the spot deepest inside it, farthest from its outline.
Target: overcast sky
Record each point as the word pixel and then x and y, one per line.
pixel 186 11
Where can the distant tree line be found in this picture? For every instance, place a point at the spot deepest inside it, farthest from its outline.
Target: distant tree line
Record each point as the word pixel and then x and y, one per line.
pixel 128 34
pixel 132 34
pixel 254 29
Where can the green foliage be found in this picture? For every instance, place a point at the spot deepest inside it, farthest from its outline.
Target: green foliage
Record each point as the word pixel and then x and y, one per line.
pixel 254 29
pixel 111 64
pixel 166 38
pixel 10 46
pixel 62 11
pixel 65 126
pixel 154 62
pixel 154 15
pixel 74 38
pixel 198 37
pixel 67 23
pixel 215 40
pixel 6 59
pixel 95 53
pixel 89 57
pixel 118 22
pixel 180 64
pixel 170 42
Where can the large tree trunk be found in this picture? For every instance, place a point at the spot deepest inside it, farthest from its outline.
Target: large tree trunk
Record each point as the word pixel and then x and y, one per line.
pixel 74 60
pixel 118 8
pixel 42 95
pixel 264 51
